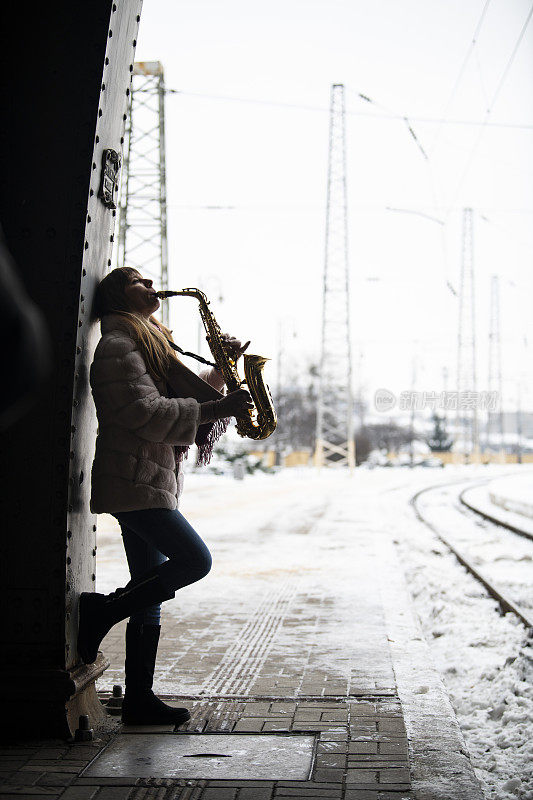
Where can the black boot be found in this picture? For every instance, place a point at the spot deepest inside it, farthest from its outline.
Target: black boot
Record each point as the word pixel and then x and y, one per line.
pixel 99 612
pixel 140 705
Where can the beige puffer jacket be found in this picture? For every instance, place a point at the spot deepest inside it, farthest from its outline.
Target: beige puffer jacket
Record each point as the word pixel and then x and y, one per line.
pixel 138 426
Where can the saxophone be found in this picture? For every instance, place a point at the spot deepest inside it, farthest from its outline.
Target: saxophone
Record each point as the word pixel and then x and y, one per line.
pixel 260 421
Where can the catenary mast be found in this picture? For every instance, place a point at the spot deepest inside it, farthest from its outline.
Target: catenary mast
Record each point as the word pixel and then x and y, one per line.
pixel 467 405
pixel 334 431
pixel 495 420
pixel 143 205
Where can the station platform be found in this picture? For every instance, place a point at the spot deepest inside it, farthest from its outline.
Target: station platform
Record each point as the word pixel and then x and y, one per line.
pixel 299 657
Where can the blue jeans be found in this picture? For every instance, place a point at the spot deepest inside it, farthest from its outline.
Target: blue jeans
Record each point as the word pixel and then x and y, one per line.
pixel 162 539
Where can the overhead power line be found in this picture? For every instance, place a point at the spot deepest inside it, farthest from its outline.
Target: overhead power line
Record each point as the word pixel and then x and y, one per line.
pixel 322 109
pixel 492 102
pixel 462 69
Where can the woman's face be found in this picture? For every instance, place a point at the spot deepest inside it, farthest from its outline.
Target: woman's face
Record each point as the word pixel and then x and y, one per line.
pixel 141 296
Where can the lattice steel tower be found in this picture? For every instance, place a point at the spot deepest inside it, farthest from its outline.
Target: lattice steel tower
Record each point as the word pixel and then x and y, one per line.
pixel 143 206
pixel 334 431
pixel 467 405
pixel 495 420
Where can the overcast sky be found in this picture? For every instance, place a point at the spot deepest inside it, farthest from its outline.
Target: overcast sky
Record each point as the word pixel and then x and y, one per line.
pixel 249 130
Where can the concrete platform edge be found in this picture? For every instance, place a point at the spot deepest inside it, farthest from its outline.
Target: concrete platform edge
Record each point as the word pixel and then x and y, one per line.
pixel 440 762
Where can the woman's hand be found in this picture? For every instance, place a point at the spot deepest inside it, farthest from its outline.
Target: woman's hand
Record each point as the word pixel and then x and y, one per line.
pixel 233 347
pixel 234 404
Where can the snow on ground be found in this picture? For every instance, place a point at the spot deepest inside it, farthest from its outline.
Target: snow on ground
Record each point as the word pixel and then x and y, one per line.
pixel 501 555
pixel 486 659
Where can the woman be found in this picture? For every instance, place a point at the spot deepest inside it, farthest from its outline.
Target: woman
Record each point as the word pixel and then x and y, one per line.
pixel 150 409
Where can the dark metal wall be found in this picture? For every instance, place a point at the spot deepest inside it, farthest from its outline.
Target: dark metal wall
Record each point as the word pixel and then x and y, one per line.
pixel 64 96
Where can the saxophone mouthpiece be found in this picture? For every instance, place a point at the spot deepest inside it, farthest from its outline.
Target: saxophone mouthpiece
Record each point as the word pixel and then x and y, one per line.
pixel 166 293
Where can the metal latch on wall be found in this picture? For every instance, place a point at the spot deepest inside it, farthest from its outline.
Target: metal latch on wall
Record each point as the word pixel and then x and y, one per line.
pixel 110 176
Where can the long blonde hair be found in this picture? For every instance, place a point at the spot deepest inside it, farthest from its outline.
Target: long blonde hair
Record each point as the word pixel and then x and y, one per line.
pixel 110 298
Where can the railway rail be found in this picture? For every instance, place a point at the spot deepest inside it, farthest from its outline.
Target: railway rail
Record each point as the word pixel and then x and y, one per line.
pixel 505 602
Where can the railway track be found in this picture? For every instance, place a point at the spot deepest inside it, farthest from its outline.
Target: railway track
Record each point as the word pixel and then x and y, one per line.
pixel 505 602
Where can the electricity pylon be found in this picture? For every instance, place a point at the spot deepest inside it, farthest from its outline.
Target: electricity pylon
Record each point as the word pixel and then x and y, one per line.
pixel 467 401
pixel 334 429
pixel 495 420
pixel 143 206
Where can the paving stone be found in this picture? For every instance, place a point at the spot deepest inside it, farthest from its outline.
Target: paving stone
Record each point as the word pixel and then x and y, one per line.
pixel 332 747
pixel 105 781
pixel 113 793
pixel 394 776
pixel 361 776
pixel 393 748
pixel 307 716
pixel 52 766
pixel 79 793
pixel 28 796
pixel 11 766
pixel 329 775
pixel 276 725
pixel 255 710
pixel 363 747
pixel 331 761
pixel 251 793
pixel 219 793
pixel 283 708
pixel 21 778
pixel 356 794
pixel 395 724
pixel 254 724
pixel 335 716
pixel 56 779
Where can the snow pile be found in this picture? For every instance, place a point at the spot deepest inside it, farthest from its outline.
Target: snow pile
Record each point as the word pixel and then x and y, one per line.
pixel 486 661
